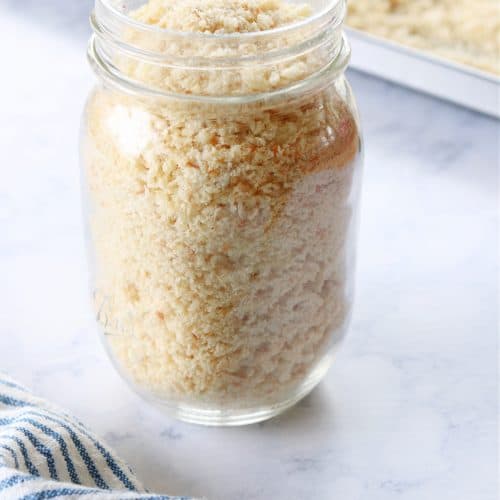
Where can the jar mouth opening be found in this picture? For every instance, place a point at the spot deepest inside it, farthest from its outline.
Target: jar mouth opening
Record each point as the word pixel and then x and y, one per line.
pixel 332 12
pixel 233 66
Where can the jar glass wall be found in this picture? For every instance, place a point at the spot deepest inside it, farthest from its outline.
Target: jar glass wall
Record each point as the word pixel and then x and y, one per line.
pixel 221 195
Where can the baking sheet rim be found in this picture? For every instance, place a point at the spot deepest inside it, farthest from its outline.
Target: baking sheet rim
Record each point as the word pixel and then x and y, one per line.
pixel 421 54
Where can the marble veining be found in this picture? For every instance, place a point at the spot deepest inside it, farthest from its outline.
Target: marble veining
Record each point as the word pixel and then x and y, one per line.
pixel 409 409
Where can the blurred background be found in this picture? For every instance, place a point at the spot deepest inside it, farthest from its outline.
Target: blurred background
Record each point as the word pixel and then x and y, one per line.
pixel 67 17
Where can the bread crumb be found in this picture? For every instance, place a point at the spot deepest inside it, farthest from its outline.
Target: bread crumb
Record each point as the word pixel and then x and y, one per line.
pixel 221 234
pixel 463 31
pixel 220 16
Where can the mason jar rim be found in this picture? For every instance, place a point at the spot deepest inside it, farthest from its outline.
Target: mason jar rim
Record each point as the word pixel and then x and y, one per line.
pixel 320 30
pixel 335 8
pixel 134 87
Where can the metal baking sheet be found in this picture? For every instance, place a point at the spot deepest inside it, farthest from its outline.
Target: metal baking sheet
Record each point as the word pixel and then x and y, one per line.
pixel 454 82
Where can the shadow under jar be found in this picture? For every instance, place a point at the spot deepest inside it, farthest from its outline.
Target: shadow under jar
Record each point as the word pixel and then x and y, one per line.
pixel 221 177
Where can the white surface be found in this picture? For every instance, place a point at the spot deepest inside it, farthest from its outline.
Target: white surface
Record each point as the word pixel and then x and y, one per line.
pixel 409 410
pixel 421 71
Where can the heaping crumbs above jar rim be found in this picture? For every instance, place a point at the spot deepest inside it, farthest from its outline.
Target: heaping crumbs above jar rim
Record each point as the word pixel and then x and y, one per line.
pixel 332 13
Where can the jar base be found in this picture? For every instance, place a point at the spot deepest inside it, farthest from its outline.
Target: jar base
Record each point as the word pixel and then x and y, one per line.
pixel 245 416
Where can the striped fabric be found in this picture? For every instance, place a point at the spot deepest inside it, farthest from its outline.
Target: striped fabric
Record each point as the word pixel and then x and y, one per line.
pixel 45 453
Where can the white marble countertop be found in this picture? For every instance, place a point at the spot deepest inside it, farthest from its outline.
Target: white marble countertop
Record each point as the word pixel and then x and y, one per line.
pixel 409 409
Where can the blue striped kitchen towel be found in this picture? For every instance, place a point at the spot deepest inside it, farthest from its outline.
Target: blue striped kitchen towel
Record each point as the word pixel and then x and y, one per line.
pixel 45 453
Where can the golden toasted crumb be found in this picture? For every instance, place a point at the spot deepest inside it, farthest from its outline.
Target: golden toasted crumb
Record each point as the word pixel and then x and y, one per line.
pixel 220 16
pixel 220 232
pixel 461 30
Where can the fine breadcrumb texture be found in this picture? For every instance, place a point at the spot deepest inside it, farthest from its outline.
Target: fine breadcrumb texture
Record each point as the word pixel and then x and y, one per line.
pixel 220 16
pixel 221 233
pixel 464 31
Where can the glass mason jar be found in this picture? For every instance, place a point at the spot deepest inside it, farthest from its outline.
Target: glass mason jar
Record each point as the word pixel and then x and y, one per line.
pixel 221 177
